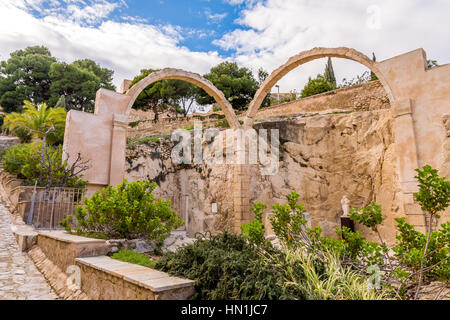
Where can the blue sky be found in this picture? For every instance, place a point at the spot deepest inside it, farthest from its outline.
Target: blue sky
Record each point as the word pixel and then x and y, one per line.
pixel 195 35
pixel 200 21
pixel 208 20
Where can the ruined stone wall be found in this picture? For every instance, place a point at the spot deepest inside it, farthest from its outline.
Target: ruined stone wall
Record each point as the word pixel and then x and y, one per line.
pixel 445 171
pixel 323 158
pixel 363 97
pixel 145 128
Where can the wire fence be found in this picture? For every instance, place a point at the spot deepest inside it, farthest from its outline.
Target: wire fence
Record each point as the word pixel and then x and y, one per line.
pixel 48 207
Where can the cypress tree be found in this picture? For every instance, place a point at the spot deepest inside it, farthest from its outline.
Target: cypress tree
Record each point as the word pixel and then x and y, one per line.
pixel 373 76
pixel 329 73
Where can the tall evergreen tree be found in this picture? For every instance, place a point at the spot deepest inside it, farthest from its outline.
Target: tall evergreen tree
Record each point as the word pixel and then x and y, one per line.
pixel 329 73
pixel 237 84
pixel 373 76
pixel 24 76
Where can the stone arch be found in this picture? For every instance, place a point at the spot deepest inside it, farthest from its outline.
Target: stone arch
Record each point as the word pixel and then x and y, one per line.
pixel 194 78
pixel 304 57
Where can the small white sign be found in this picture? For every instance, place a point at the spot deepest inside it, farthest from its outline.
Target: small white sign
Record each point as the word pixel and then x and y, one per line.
pixel 214 208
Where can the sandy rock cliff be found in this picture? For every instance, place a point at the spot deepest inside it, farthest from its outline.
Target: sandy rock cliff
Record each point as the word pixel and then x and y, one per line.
pixel 322 157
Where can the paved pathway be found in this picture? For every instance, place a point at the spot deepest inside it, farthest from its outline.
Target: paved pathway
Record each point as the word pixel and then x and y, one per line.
pixel 19 278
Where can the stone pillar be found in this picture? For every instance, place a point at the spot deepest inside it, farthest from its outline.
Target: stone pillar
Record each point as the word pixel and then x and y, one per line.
pixel 118 147
pixel 407 160
pixel 125 85
pixel 241 196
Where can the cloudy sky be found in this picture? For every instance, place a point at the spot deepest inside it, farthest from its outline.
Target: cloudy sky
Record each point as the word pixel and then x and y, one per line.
pixel 128 35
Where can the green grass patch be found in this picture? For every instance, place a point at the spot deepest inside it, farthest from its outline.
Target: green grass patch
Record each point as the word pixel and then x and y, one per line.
pixel 94 235
pixel 134 257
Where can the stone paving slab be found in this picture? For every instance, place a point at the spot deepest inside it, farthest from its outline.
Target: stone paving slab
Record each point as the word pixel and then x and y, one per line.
pixel 19 277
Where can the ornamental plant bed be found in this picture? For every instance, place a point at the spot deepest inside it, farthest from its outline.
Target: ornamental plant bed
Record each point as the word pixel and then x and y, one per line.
pixel 129 211
pixel 311 266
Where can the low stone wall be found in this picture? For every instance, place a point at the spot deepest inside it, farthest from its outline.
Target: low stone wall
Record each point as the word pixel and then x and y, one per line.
pixel 8 183
pixel 364 97
pixel 103 278
pixel 7 142
pixel 63 248
pixel 167 125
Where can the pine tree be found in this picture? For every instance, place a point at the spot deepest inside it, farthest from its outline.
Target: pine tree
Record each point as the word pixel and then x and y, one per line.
pixel 329 74
pixel 373 76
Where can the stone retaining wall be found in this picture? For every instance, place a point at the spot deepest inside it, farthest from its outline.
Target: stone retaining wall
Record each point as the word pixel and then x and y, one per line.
pixel 62 248
pixel 364 97
pixel 103 278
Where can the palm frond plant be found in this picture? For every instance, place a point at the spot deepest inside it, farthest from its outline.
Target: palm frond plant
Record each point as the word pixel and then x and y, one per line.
pixel 38 121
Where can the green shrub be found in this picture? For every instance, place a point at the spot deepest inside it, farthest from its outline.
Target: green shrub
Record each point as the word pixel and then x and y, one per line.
pixel 226 267
pixel 369 216
pixel 17 156
pixel 410 246
pixel 287 219
pixel 22 160
pixel 23 134
pixel 128 211
pixel 134 257
pixel 254 231
pixel 316 86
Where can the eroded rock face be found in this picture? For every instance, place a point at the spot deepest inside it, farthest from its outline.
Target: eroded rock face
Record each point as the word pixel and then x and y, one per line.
pixel 191 188
pixel 326 157
pixel 322 158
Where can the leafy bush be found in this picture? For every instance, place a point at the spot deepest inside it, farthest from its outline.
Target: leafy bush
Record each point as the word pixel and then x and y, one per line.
pixel 23 134
pixel 226 267
pixel 134 257
pixel 316 86
pixel 23 160
pixel 128 211
pixel 287 219
pixel 254 231
pixel 410 247
pixel 415 254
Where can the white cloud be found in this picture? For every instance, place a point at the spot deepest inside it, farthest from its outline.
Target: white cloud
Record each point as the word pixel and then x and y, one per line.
pixel 273 30
pixel 122 46
pixel 270 32
pixel 91 14
pixel 216 17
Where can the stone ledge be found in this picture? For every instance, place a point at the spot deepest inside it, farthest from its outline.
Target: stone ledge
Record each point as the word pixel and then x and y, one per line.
pixel 69 238
pixel 62 248
pixel 154 280
pixel 26 237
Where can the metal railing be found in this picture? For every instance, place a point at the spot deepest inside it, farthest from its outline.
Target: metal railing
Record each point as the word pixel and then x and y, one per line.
pixel 48 207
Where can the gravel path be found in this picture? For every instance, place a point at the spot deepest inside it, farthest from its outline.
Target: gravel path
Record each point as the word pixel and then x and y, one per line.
pixel 19 278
